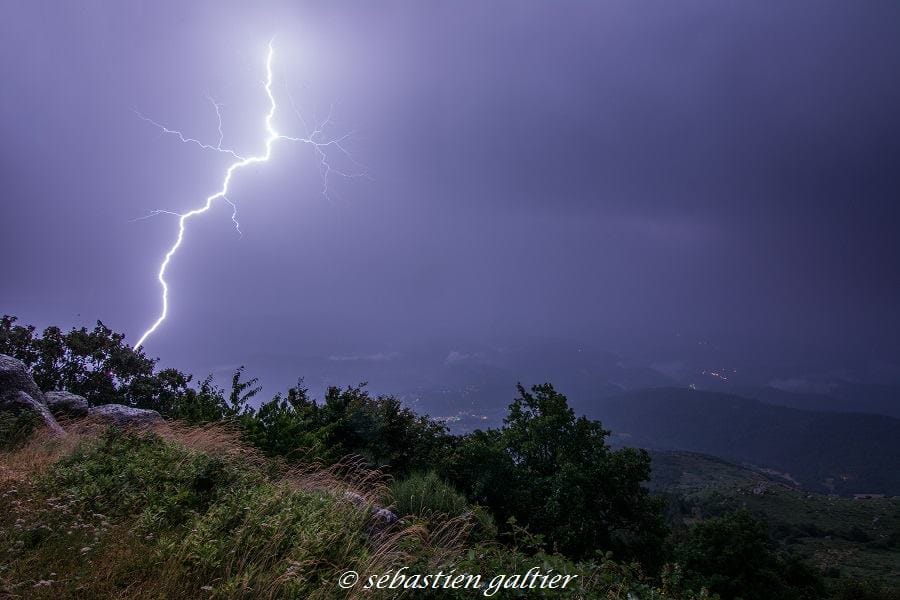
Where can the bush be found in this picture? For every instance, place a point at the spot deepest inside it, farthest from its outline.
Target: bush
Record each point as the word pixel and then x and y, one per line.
pixel 129 515
pixel 16 426
pixel 425 494
pixel 849 589
pixel 348 422
pixel 734 557
pixel 142 476
pixel 257 534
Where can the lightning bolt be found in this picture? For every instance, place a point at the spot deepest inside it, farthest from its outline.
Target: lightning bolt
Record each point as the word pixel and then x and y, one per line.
pixel 315 138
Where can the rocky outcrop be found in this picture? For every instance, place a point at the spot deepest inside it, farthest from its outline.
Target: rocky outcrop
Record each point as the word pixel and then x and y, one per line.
pixel 19 391
pixel 22 400
pixel 66 404
pixel 14 377
pixel 119 414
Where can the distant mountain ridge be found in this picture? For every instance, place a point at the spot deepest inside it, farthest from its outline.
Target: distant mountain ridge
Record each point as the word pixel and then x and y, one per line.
pixel 843 453
pixel 840 397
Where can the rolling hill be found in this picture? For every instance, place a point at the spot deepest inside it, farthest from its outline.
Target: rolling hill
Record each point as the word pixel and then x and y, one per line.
pixel 842 453
pixel 839 536
pixel 841 397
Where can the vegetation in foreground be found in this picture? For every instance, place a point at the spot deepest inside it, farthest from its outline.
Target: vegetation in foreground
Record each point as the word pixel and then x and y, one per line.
pixel 178 512
pixel 190 513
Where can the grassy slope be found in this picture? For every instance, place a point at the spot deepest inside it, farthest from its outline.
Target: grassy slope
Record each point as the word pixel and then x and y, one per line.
pixel 139 513
pixel 190 513
pixel 852 537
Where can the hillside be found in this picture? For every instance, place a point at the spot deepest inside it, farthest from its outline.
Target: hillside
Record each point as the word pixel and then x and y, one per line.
pixel 826 452
pixel 148 487
pixel 177 512
pixel 840 536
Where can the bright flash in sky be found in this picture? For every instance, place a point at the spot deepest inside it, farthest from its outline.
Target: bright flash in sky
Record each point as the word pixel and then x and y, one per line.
pixel 316 138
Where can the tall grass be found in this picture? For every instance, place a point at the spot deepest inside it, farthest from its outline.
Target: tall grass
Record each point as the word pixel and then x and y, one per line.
pixel 16 427
pixel 177 512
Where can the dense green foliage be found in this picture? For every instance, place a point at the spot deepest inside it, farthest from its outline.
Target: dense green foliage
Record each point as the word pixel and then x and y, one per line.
pixel 554 473
pixel 545 468
pixel 198 523
pixel 95 364
pixel 545 488
pixel 734 557
pixel 842 537
pixel 348 422
pixel 16 427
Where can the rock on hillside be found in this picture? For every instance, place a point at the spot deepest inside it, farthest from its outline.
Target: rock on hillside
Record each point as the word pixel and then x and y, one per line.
pixel 120 414
pixel 18 390
pixel 63 403
pixel 14 377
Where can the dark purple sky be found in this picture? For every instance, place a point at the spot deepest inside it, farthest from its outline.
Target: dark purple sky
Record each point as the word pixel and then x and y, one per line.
pixel 607 171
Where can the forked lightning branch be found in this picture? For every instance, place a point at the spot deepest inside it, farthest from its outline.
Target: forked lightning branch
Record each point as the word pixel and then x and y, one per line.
pixel 315 138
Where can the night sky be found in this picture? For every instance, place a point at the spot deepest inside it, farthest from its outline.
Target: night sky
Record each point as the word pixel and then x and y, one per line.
pixel 614 172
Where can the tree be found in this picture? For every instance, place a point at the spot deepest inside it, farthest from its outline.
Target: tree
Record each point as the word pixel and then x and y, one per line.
pixel 480 466
pixel 388 435
pixel 286 426
pixel 733 556
pixel 242 392
pixel 96 364
pixel 554 473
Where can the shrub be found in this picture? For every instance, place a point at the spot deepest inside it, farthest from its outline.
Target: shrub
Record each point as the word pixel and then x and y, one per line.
pixel 142 476
pixel 425 494
pixel 348 422
pixel 16 426
pixel 734 557
pixel 850 589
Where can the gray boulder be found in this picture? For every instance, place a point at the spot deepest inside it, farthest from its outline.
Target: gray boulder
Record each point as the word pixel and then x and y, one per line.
pixel 384 516
pixel 120 414
pixel 14 377
pixel 19 391
pixel 63 403
pixel 22 400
